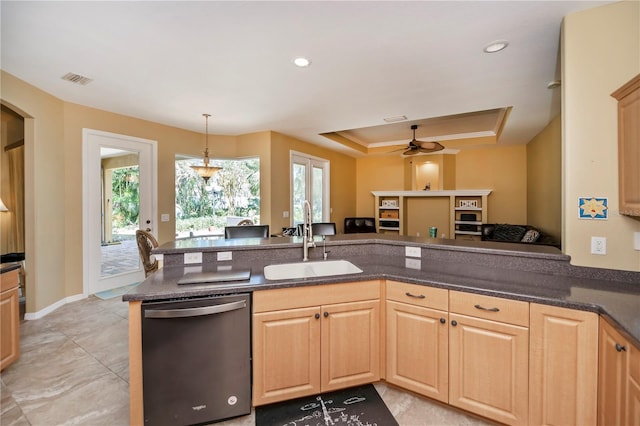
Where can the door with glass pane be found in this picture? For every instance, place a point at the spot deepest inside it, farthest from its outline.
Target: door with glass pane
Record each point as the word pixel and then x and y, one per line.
pixel 309 181
pixel 119 197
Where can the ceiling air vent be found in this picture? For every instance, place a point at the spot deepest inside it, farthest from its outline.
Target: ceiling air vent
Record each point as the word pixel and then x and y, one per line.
pixel 77 78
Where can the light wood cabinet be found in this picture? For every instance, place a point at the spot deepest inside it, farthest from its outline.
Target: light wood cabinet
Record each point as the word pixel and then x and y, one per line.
pixel 417 339
pixel 9 319
pixel 619 379
pixel 628 97
pixel 300 350
pixel 489 359
pixel 563 362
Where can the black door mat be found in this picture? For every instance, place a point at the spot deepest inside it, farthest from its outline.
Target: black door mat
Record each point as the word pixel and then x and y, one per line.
pixel 358 406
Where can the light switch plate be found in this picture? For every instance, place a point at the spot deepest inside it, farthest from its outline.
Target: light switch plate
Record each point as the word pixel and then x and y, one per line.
pixel 636 240
pixel 599 245
pixel 164 217
pixel 412 263
pixel 412 251
pixel 224 255
pixel 193 257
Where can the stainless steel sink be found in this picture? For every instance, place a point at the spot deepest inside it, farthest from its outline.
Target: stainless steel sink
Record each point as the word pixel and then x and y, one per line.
pixel 287 271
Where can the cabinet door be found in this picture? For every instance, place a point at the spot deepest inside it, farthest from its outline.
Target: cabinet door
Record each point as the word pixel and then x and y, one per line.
pixel 418 350
pixel 489 368
pixel 350 344
pixel 564 365
pixel 612 372
pixel 286 354
pixel 633 387
pixel 9 327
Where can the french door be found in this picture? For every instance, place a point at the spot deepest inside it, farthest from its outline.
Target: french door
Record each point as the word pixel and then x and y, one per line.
pixel 309 181
pixel 111 256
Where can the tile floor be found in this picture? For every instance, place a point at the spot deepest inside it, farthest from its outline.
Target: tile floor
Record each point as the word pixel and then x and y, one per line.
pixel 73 370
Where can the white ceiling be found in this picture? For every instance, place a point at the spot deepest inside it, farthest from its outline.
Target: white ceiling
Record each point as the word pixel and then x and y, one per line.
pixel 169 62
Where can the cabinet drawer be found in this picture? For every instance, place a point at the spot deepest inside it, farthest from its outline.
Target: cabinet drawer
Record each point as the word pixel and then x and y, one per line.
pixel 634 362
pixel 488 307
pixel 316 295
pixel 9 280
pixel 419 295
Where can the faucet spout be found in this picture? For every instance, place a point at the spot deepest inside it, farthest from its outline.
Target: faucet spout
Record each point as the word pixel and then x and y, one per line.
pixel 307 234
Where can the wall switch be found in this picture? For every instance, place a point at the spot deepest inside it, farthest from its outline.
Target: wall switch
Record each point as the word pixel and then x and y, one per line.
pixel 636 240
pixel 224 255
pixel 599 245
pixel 164 217
pixel 192 258
pixel 412 251
pixel 285 214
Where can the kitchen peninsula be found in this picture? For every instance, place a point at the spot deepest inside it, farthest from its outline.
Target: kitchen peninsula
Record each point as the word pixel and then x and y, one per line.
pixel 529 298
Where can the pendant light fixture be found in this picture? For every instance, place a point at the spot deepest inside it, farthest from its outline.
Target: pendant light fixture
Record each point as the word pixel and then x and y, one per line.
pixel 206 171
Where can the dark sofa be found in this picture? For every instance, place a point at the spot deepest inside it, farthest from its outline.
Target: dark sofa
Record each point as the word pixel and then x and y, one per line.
pixel 524 234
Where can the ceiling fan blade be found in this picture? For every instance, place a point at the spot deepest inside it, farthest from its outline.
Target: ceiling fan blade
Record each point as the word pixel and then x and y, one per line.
pixel 411 151
pixel 430 146
pixel 397 150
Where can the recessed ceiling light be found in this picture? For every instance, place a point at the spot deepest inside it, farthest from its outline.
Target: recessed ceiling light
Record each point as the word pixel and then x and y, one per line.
pixel 495 46
pixel 302 62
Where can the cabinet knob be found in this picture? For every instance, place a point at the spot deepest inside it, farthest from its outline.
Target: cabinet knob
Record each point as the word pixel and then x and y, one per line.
pixel 620 348
pixel 317 316
pixel 326 314
pixel 454 323
pixel 442 320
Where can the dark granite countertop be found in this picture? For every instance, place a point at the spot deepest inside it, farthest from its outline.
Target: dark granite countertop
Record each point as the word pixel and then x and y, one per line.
pixel 510 277
pixel 9 266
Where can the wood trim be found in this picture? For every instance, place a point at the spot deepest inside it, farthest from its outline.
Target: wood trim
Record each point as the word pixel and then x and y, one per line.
pixel 136 413
pixel 14 145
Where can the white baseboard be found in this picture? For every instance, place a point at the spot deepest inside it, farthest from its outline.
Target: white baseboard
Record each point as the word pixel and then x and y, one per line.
pixel 42 312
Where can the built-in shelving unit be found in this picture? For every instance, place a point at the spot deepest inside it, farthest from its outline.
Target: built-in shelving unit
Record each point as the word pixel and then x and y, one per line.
pixel 467 211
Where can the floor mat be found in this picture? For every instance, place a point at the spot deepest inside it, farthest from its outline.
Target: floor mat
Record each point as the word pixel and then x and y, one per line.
pixel 356 406
pixel 115 292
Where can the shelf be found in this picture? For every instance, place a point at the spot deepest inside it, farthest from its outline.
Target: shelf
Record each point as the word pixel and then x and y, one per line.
pixel 389 228
pixel 468 232
pixel 389 208
pixel 390 219
pixel 471 209
pixel 468 222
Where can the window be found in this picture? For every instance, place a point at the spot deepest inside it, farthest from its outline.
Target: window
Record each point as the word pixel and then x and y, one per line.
pixel 309 181
pixel 232 194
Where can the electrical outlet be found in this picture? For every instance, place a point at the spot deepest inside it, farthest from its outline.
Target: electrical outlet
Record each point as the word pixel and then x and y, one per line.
pixel 224 255
pixel 285 214
pixel 636 240
pixel 412 251
pixel 193 257
pixel 599 245
pixel 164 217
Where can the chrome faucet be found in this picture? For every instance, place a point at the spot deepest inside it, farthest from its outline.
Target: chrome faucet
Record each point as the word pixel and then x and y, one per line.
pixel 307 234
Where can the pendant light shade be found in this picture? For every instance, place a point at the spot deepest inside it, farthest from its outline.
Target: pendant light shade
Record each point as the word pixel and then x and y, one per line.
pixel 206 171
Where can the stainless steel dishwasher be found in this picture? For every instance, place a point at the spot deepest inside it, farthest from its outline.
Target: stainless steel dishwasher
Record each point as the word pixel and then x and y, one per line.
pixel 196 359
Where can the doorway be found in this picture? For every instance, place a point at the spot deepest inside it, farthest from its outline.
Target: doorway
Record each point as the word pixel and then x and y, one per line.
pixel 119 197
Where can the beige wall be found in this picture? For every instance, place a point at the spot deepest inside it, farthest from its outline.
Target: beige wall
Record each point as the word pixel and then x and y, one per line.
pixel 601 52
pixel 544 189
pixel 504 171
pixel 45 192
pixel 377 174
pixel 342 173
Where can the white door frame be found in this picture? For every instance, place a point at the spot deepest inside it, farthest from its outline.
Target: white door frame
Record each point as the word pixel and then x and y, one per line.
pixel 92 141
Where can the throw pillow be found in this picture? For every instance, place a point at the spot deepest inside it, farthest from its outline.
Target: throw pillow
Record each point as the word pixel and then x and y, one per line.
pixel 531 236
pixel 508 232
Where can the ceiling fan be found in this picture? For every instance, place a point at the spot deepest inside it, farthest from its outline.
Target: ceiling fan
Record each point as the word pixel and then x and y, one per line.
pixel 417 147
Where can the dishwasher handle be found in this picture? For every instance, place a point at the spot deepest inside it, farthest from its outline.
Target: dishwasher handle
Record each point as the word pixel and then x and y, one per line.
pixel 195 312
